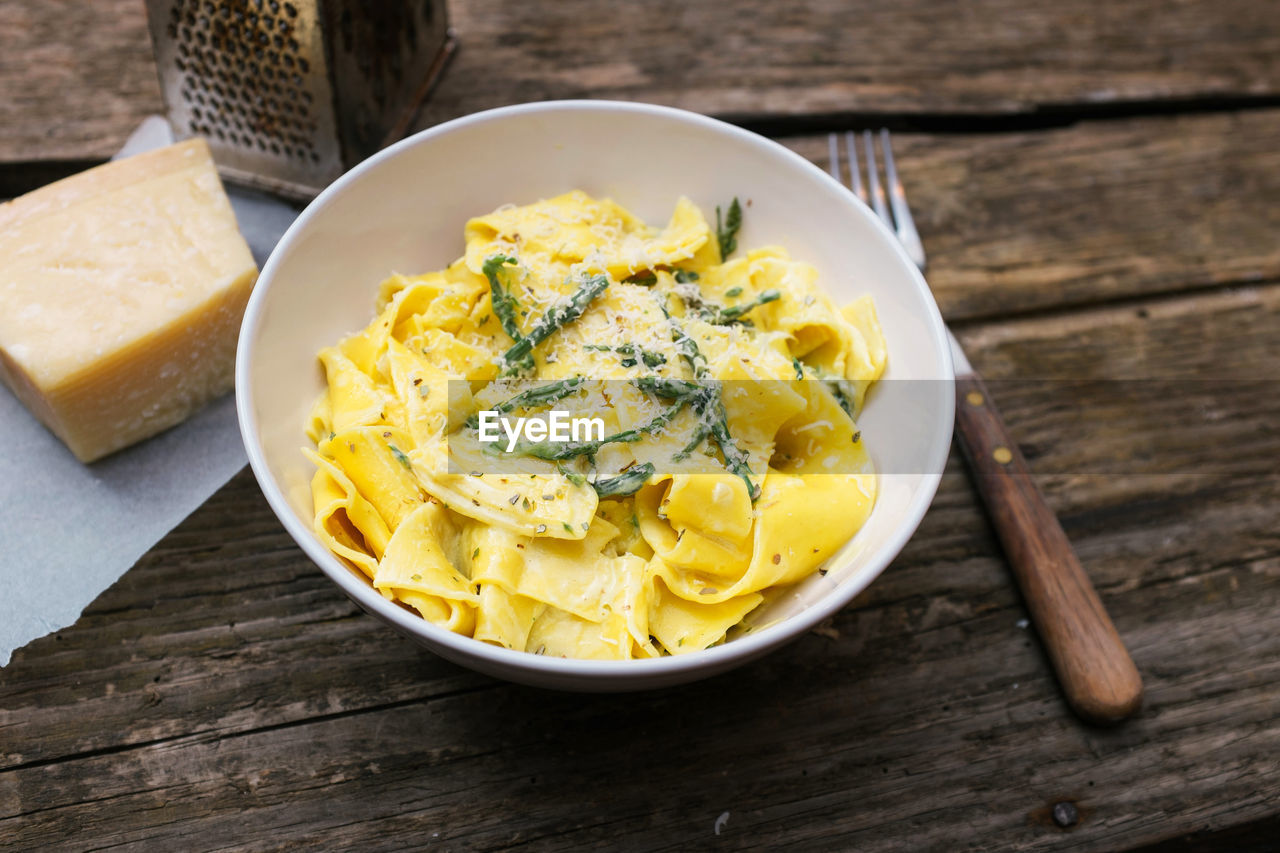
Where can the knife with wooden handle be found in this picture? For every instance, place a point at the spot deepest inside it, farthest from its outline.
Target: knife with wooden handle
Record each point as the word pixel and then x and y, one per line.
pixel 1094 668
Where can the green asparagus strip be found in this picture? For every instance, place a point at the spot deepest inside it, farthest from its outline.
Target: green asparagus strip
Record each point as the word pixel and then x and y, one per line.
pixel 520 355
pixel 552 451
pixel 727 234
pixel 543 395
pixel 400 456
pixel 669 388
pixel 735 458
pixel 504 304
pixel 686 346
pixel 649 357
pixel 700 433
pixel 572 476
pixel 626 483
pixel 839 389
pixel 711 410
pixel 725 316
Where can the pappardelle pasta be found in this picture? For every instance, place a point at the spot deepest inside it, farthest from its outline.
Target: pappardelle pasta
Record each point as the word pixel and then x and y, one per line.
pixel 725 462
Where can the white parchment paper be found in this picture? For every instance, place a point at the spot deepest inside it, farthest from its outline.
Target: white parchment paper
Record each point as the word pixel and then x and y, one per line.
pixel 70 530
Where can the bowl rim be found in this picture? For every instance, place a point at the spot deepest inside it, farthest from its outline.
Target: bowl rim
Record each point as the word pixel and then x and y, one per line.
pixel 461 648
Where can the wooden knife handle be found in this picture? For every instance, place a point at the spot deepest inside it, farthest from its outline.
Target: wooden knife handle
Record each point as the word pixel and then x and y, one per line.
pixel 1094 668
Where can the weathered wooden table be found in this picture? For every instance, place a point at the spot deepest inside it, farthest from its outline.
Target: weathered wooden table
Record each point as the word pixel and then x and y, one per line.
pixel 1098 187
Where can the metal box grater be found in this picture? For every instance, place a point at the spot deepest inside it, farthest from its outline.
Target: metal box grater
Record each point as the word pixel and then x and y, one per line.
pixel 291 94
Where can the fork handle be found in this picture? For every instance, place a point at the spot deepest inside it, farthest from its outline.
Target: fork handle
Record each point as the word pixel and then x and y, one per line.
pixel 1093 666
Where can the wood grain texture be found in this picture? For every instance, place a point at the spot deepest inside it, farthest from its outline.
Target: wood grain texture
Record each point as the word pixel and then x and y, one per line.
pixel 1097 675
pixel 1026 221
pixel 81 75
pixel 828 56
pixel 1101 211
pixel 1013 222
pixel 76 77
pixel 225 691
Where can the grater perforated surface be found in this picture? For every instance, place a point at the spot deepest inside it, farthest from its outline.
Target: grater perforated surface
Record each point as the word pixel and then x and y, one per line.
pixel 250 76
pixel 289 93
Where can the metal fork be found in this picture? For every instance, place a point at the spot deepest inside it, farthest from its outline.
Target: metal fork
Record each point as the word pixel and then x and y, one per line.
pixel 1093 666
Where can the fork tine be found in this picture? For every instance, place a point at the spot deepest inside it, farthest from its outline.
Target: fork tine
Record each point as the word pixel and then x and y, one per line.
pixel 906 226
pixel 855 174
pixel 833 157
pixel 873 181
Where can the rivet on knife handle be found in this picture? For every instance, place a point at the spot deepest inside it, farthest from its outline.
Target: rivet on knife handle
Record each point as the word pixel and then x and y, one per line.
pixel 1093 666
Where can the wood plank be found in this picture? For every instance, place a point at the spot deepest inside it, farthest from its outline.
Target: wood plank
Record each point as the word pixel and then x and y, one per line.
pixel 831 57
pixel 951 728
pixel 81 75
pixel 224 690
pixel 1098 211
pixel 1101 211
pixel 77 78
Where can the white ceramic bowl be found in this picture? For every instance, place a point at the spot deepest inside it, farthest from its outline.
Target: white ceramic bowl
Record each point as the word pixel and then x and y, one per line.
pixel 404 210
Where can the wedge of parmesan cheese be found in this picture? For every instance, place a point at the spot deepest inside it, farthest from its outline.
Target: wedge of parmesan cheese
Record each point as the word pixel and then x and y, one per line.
pixel 121 294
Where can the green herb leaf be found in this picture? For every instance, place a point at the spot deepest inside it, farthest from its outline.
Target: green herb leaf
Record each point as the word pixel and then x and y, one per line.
pixel 520 355
pixel 724 316
pixel 840 389
pixel 649 357
pixel 400 457
pixel 504 304
pixel 733 291
pixel 543 395
pixel 642 279
pixel 735 458
pixel 672 389
pixel 552 451
pixel 626 483
pixel 685 276
pixel 710 408
pixel 571 475
pixel 727 232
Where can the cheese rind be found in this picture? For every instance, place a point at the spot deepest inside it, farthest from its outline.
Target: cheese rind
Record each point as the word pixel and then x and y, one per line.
pixel 121 293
